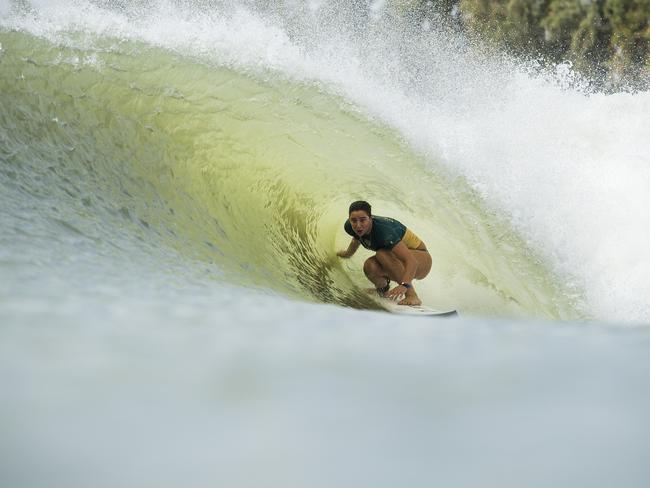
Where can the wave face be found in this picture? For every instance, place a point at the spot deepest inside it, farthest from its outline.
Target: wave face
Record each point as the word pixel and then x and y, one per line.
pixel 236 134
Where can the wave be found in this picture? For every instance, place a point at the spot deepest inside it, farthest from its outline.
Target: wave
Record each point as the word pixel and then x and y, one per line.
pixel 252 175
pixel 238 134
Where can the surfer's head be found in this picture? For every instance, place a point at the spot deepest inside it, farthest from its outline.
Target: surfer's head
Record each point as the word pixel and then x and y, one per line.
pixel 360 217
pixel 360 205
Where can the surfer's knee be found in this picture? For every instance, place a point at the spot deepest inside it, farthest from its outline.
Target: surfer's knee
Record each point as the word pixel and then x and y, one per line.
pixel 371 266
pixel 385 256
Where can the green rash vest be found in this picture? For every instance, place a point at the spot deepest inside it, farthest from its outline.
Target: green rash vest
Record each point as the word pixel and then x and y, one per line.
pixel 385 233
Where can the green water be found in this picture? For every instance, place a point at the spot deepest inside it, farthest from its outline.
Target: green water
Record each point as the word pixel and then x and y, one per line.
pixel 251 174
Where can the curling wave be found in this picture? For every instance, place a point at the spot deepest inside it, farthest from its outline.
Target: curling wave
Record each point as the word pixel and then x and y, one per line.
pixel 253 175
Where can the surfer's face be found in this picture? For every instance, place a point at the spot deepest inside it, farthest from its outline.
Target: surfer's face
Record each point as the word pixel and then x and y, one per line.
pixel 361 222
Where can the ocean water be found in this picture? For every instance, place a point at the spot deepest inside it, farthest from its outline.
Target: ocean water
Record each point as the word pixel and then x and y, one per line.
pixel 174 177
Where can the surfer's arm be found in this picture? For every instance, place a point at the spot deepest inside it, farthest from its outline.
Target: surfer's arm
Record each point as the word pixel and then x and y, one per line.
pixel 352 248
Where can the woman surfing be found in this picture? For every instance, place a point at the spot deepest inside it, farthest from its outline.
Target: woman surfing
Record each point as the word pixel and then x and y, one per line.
pixel 400 256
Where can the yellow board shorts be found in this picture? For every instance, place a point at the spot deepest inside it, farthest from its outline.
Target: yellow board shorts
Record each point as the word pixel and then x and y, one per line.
pixel 411 240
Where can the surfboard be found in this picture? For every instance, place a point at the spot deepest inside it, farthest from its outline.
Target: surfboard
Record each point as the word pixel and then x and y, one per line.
pixel 422 310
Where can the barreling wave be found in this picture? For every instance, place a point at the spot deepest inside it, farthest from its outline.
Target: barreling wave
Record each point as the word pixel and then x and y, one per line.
pixel 251 174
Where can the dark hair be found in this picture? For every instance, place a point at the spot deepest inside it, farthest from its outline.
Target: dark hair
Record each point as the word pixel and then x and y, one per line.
pixel 360 205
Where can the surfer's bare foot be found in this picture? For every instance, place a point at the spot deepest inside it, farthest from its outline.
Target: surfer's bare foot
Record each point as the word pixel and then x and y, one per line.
pixel 411 298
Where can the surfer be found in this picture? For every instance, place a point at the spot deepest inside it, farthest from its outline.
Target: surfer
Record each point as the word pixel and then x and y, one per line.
pixel 400 256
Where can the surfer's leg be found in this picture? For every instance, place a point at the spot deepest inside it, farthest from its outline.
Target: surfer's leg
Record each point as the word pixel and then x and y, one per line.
pixel 424 263
pixel 376 274
pixel 390 265
pixel 424 266
pixel 394 269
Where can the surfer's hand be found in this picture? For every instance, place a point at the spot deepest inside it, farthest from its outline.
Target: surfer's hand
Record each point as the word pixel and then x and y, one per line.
pixel 396 292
